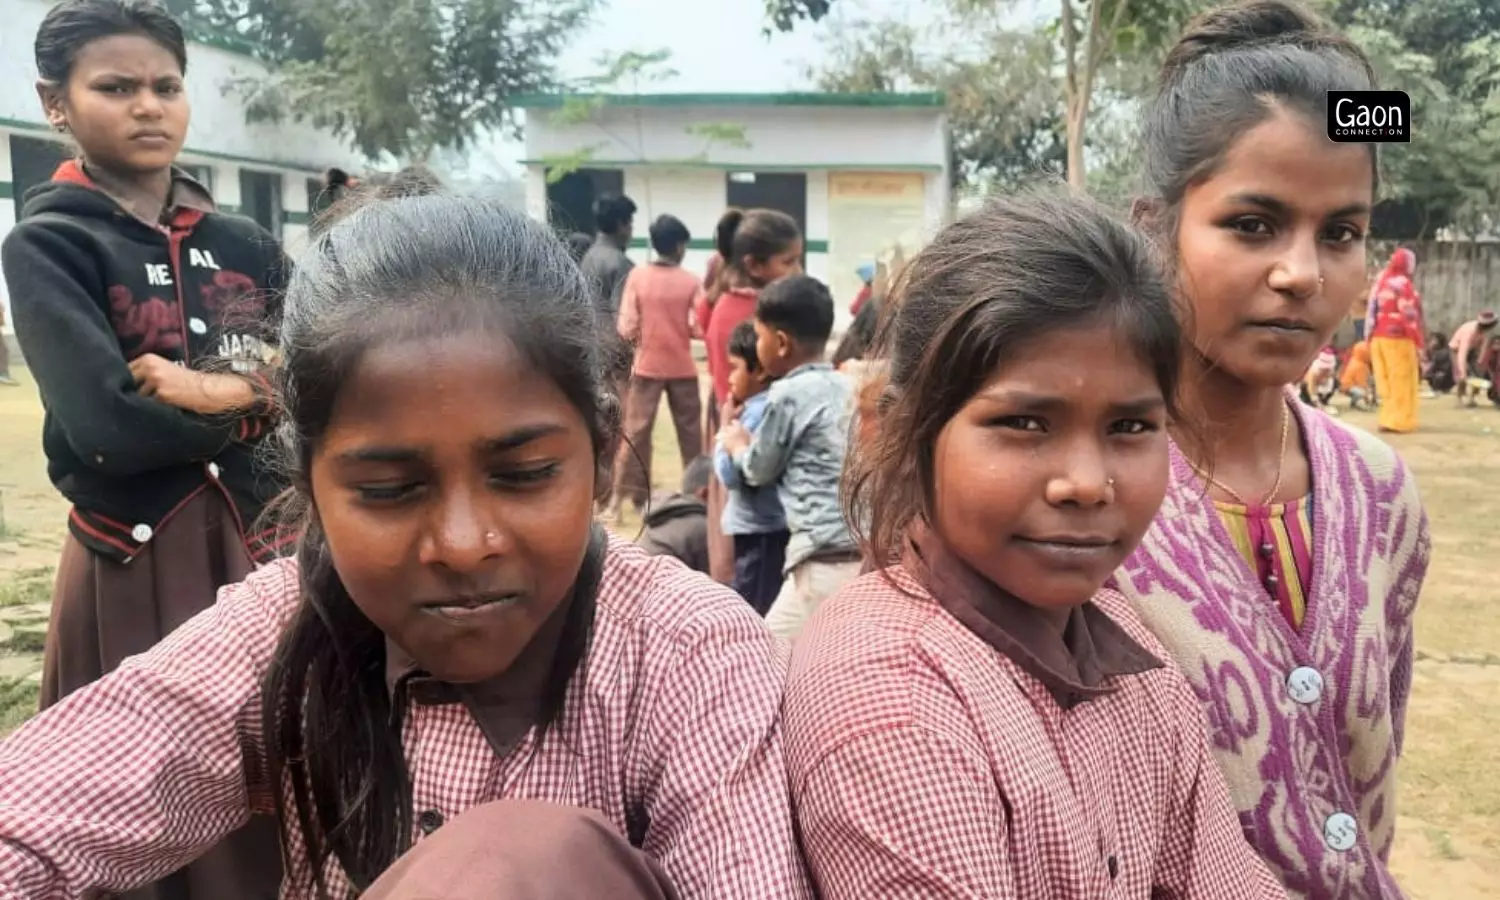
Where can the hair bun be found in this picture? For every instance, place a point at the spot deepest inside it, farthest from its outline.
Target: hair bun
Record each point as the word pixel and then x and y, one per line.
pixel 335 178
pixel 724 232
pixel 1238 25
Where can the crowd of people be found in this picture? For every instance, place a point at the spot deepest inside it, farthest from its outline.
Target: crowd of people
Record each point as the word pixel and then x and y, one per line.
pixel 1052 588
pixel 1393 357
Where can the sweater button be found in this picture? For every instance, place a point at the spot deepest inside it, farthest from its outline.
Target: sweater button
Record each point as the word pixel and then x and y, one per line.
pixel 429 821
pixel 213 470
pixel 141 533
pixel 197 325
pixel 1340 832
pixel 1305 685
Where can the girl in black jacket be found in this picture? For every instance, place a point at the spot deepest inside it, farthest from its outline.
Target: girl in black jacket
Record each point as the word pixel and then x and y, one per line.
pixel 147 318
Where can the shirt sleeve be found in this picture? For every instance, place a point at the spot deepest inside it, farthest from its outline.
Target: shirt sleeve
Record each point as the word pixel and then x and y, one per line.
pixel 712 785
pixel 765 459
pixel 84 379
pixel 1203 851
pixel 904 812
pixel 141 772
pixel 630 310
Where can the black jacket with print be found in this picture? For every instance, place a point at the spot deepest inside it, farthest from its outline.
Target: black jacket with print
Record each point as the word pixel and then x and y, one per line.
pixel 92 287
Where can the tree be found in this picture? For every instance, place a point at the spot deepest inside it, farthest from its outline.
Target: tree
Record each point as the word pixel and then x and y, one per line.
pixel 404 77
pixel 1005 100
pixel 1446 56
pixel 784 15
pixel 1020 98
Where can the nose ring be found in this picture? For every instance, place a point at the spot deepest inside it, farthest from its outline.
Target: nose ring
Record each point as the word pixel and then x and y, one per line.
pixel 489 535
pixel 1109 482
pixel 1321 280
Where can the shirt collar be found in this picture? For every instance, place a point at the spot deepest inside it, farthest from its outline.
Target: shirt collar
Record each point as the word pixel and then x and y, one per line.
pixel 1074 666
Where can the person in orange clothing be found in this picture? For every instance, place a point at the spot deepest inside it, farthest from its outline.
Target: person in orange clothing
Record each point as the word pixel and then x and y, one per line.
pixel 1355 380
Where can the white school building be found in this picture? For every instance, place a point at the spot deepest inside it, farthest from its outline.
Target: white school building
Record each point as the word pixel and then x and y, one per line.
pixel 861 173
pixel 271 173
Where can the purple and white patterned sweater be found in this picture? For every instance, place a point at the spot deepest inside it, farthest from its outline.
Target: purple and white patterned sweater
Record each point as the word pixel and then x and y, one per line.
pixel 1306 725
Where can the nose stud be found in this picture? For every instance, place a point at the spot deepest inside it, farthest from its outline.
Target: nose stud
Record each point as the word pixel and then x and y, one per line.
pixel 489 536
pixel 1110 482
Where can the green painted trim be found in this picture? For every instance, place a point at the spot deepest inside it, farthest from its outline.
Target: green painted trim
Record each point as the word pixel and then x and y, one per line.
pixel 742 167
pixel 301 168
pixel 293 217
pixel 930 100
pixel 7 190
pixel 707 244
pixel 228 208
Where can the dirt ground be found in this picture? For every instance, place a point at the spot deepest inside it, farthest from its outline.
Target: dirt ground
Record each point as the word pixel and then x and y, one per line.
pixel 1448 845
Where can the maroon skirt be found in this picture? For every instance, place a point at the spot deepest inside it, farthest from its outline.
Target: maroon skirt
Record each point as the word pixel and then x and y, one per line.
pixel 104 611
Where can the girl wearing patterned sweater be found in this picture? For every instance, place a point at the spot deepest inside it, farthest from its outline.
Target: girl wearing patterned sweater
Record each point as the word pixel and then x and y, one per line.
pixel 1285 564
pixel 455 629
pixel 978 719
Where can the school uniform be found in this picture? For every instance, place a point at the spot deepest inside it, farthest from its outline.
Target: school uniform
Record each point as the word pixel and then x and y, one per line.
pixel 164 501
pixel 656 311
pixel 1294 625
pixel 670 730
pixel 799 448
pixel 753 518
pixel 945 741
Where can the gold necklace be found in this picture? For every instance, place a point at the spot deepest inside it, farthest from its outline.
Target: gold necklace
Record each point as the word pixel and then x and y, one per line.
pixel 1286 424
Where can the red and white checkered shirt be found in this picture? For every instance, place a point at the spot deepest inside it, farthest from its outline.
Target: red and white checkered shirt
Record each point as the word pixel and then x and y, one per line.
pixel 670 726
pixel 926 764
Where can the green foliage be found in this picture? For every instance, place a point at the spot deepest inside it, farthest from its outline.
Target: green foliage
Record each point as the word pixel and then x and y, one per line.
pixel 784 15
pixel 1446 56
pixel 1007 97
pixel 405 77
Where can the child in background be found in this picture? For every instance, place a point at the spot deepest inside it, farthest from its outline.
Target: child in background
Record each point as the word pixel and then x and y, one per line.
pixel 979 719
pixel 458 649
pixel 752 516
pixel 656 312
pixel 677 524
pixel 800 446
pixel 754 249
pixel 1321 382
pixel 1355 381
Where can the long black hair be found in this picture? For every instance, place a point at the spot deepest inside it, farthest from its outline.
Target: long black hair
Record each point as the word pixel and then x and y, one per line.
pixel 403 268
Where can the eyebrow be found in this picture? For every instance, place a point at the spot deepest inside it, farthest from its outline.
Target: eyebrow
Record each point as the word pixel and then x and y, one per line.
pixel 504 444
pixel 1267 202
pixel 1031 402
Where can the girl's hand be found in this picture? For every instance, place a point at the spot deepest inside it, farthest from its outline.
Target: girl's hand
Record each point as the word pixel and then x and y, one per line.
pixel 735 438
pixel 205 393
pixel 730 411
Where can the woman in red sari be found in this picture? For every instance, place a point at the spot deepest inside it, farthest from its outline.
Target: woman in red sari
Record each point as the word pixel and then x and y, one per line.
pixel 1395 328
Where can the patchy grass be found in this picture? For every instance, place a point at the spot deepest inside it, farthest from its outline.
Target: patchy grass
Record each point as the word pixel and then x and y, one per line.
pixel 26 587
pixel 17 703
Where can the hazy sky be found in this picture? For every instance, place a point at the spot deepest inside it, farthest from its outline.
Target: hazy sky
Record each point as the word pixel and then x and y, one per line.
pixel 717 46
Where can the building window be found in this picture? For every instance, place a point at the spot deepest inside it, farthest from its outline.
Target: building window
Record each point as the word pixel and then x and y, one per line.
pixel 784 191
pixel 32 162
pixel 260 199
pixel 570 199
